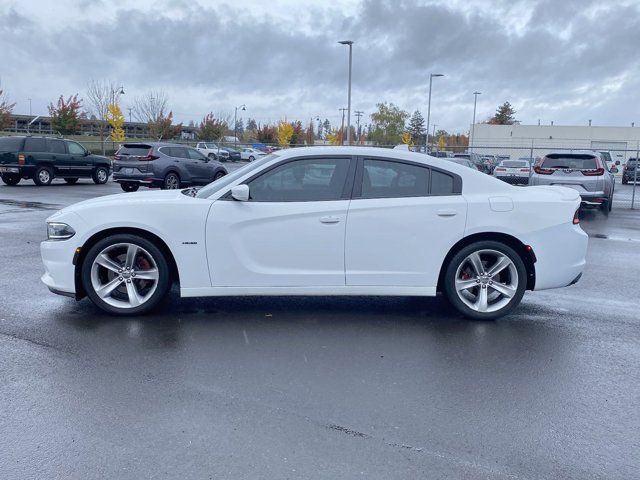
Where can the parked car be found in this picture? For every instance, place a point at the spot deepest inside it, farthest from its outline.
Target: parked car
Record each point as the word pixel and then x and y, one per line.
pixel 44 158
pixel 515 172
pixel 251 154
pixel 234 153
pixel 322 221
pixel 584 171
pixel 212 151
pixel 629 171
pixel 164 165
pixel 463 161
pixel 489 162
pixel 475 158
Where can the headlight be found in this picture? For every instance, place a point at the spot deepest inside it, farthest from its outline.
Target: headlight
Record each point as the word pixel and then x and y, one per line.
pixel 59 231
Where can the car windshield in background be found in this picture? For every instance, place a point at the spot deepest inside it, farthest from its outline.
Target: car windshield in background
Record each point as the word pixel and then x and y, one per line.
pixel 134 150
pixel 514 163
pixel 572 162
pixel 10 144
pixel 232 177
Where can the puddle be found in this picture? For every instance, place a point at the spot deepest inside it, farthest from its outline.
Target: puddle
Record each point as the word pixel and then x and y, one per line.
pixel 30 205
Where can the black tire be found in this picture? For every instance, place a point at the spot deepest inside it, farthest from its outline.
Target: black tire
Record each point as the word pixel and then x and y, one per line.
pixel 163 281
pixel 218 176
pixel 10 179
pixel 459 260
pixel 43 176
pixel 129 187
pixel 171 181
pixel 606 207
pixel 71 181
pixel 100 175
pixel 624 180
pixel 213 156
pixel 251 158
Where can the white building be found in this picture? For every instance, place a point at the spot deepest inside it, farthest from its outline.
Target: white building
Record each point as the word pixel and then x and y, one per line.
pixel 523 140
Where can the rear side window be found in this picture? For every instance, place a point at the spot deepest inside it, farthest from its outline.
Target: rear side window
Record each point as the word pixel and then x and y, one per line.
pixel 57 146
pixel 35 145
pixel 572 162
pixel 384 179
pixel 441 183
pixel 11 144
pixel 134 150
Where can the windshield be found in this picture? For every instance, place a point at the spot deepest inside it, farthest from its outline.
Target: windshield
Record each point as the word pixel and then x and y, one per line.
pixel 213 187
pixel 572 162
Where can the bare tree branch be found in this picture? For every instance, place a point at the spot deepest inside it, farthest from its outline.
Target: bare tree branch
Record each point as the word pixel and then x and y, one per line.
pixel 151 107
pixel 100 94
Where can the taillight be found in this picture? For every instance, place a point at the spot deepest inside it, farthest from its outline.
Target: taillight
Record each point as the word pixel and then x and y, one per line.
pixel 498 169
pixel 543 171
pixel 21 159
pixel 524 170
pixel 149 156
pixel 593 173
pixel 576 217
pixel 117 157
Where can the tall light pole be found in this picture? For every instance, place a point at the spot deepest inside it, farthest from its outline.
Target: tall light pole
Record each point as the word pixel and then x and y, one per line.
pixel 29 107
pixel 473 124
pixel 350 43
pixel 429 106
pixel 235 124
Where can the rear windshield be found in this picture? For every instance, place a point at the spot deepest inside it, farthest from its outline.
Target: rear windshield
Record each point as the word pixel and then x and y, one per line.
pixel 11 144
pixel 573 162
pixel 134 150
pixel 514 163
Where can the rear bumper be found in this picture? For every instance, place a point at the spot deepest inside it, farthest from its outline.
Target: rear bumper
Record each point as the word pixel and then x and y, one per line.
pixel 21 170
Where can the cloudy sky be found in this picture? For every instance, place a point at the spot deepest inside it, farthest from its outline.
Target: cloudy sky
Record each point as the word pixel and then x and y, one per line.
pixel 563 60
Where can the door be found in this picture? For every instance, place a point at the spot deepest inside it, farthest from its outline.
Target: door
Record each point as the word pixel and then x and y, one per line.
pixel 60 158
pixel 79 162
pixel 290 232
pixel 198 167
pixel 402 221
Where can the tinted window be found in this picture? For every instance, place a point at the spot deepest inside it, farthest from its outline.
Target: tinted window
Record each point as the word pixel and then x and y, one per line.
pixel 441 183
pixel 134 150
pixel 75 148
pixel 57 146
pixel 35 145
pixel 573 162
pixel 384 179
pixel 195 155
pixel 10 144
pixel 302 181
pixel 514 163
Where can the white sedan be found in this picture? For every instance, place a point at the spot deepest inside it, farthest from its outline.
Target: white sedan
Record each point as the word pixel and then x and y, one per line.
pixel 322 221
pixel 251 154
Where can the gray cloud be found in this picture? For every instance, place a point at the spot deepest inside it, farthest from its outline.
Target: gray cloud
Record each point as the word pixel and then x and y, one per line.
pixel 566 61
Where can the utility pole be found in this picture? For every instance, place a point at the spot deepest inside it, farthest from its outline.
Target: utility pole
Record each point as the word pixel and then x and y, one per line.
pixel 473 123
pixel 358 114
pixel 350 44
pixel 29 107
pixel 342 126
pixel 130 110
pixel 426 147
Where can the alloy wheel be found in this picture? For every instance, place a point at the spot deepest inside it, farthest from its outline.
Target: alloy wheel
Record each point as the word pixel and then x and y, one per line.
pixel 44 176
pixel 486 280
pixel 124 275
pixel 171 182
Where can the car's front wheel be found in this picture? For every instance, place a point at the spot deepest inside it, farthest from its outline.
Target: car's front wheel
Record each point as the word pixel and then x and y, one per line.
pixel 10 179
pixel 100 175
pixel 218 176
pixel 125 274
pixel 485 280
pixel 213 156
pixel 252 158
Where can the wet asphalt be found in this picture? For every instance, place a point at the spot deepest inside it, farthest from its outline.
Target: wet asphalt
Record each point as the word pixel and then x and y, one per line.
pixel 317 388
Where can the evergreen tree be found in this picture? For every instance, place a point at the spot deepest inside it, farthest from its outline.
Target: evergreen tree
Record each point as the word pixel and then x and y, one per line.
pixel 417 127
pixel 505 115
pixel 239 127
pixel 320 133
pixel 252 125
pixel 327 127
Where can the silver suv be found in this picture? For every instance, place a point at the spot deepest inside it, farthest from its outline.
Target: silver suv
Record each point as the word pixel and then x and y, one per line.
pixel 583 171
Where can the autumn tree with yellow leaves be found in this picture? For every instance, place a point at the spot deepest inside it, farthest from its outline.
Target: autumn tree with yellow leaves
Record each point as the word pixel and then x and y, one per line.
pixel 115 119
pixel 284 133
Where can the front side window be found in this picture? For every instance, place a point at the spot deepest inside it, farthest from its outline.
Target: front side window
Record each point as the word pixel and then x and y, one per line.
pixel 304 180
pixel 75 148
pixel 195 155
pixel 385 179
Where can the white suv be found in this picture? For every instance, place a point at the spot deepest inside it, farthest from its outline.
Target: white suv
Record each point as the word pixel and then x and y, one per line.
pixel 212 151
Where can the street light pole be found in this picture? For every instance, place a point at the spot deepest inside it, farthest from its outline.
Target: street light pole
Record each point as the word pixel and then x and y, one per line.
pixel 429 106
pixel 473 124
pixel 235 124
pixel 350 43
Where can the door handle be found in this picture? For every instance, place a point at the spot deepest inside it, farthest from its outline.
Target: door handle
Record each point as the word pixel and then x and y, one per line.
pixel 447 213
pixel 329 219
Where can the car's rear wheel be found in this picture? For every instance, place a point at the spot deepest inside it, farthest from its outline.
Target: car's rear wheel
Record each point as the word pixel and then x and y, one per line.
pixel 71 181
pixel 171 181
pixel 100 175
pixel 10 179
pixel 485 280
pixel 125 274
pixel 218 176
pixel 43 176
pixel 129 187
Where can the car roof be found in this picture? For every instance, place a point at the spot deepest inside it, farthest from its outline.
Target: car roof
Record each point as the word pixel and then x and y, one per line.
pixel 572 152
pixel 155 144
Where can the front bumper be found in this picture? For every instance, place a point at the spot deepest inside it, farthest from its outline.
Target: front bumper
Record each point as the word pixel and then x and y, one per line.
pixel 59 271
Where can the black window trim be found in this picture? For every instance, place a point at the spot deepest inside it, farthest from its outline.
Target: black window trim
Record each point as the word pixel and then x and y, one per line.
pixel 347 189
pixel 357 189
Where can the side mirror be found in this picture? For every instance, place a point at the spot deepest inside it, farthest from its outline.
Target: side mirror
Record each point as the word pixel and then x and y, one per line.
pixel 240 193
pixel 87 153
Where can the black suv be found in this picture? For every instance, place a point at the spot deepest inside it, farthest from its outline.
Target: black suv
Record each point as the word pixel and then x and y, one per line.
pixel 629 171
pixel 43 158
pixel 164 165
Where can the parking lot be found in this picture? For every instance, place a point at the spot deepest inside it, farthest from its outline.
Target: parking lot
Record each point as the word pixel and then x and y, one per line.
pixel 313 387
